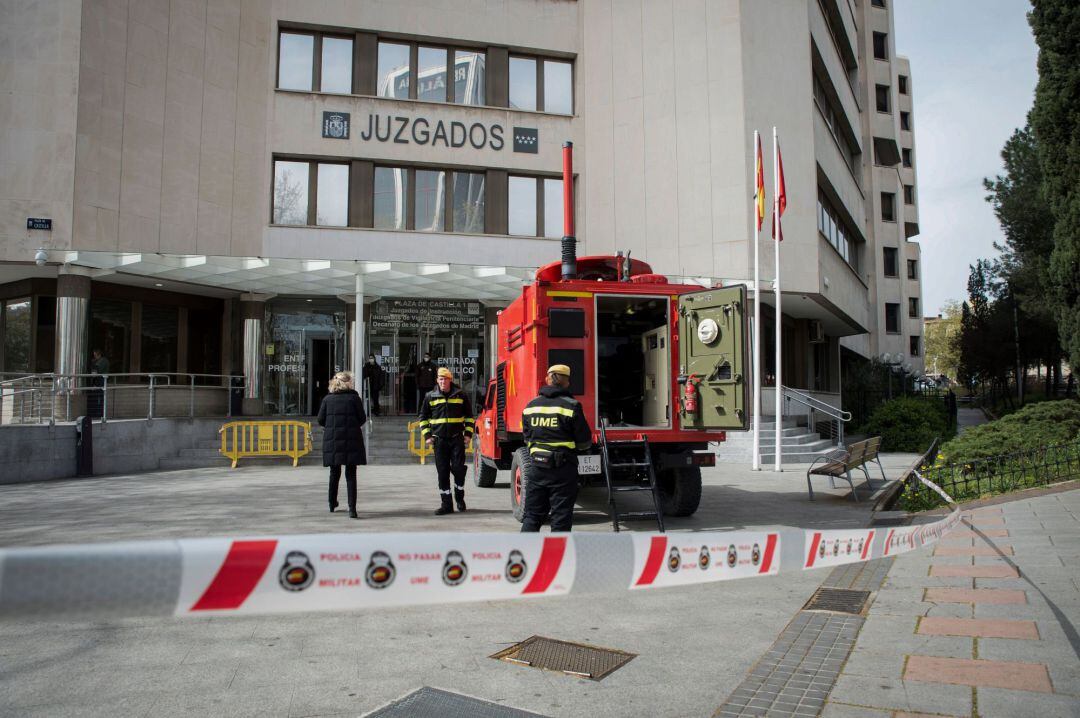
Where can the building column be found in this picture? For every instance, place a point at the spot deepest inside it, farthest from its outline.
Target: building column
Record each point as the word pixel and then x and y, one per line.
pixel 252 311
pixel 72 323
pixel 357 332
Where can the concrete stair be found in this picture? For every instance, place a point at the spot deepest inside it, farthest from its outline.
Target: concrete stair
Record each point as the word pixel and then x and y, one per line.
pixel 798 445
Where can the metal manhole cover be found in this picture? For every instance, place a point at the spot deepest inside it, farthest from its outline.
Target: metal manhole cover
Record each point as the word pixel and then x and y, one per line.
pixel 841 600
pixel 575 659
pixel 434 703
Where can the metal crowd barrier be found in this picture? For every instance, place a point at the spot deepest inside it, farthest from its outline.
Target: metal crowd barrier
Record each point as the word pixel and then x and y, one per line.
pixel 265 438
pixel 419 447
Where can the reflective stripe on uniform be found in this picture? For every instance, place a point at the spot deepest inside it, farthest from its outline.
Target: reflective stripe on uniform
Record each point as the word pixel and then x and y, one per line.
pixel 450 420
pixel 549 445
pixel 548 410
pixel 436 402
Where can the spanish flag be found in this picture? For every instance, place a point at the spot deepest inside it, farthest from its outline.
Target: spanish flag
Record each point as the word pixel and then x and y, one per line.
pixel 759 191
pixel 781 196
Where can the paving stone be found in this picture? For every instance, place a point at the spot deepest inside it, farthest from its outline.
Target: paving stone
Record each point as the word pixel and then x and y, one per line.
pixel 969 533
pixel 972 672
pixel 975 595
pixel 843 710
pixel 1002 570
pixel 1004 703
pixel 893 694
pixel 973 551
pixel 976 627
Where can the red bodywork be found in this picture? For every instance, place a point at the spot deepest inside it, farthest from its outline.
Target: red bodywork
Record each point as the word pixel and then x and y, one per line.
pixel 523 346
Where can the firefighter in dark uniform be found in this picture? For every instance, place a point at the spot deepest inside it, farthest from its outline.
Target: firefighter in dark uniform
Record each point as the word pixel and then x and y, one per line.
pixel 555 431
pixel 446 423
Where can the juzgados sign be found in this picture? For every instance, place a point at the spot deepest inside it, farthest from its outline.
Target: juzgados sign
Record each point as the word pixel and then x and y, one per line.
pixel 422 131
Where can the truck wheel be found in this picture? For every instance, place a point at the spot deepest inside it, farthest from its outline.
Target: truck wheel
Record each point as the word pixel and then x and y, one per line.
pixel 520 469
pixel 680 490
pixel 483 474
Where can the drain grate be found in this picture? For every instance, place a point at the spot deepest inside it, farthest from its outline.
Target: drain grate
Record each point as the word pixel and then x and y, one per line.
pixel 841 600
pixel 434 703
pixel 575 659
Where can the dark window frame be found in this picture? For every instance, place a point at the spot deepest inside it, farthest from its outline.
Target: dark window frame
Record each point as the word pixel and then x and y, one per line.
pixel 888 207
pixel 448 194
pixel 892 311
pixel 540 97
pixel 883 92
pixel 313 190
pixel 915 345
pixel 850 253
pixel 316 59
pixel 894 253
pixel 881 45
pixel 902 84
pixel 913 269
pixel 905 120
pixel 540 228
pixel 906 156
pixel 913 307
pixel 878 3
pixel 909 194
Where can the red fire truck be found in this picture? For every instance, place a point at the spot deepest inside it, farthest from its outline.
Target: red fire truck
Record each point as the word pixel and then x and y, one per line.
pixel 660 368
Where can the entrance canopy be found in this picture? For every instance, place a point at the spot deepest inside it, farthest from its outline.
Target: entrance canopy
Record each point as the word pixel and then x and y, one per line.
pixel 262 275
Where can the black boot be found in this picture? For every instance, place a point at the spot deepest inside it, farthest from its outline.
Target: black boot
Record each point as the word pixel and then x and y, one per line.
pixel 332 507
pixel 446 508
pixel 459 499
pixel 352 514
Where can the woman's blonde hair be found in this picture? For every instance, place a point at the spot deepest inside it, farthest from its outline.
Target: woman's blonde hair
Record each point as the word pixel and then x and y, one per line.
pixel 341 381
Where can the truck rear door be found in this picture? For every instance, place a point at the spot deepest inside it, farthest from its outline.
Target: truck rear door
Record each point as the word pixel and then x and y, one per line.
pixel 713 355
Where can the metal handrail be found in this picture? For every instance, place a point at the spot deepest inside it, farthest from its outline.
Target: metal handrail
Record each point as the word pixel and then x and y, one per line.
pixel 815 403
pixel 52 386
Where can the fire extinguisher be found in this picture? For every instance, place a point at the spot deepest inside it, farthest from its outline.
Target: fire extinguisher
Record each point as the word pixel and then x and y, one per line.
pixel 690 395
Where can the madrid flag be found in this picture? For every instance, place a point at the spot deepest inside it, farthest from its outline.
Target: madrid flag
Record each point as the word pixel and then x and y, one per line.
pixel 781 197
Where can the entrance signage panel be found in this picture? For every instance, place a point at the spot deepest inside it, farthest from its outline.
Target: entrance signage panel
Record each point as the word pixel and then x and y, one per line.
pixel 404 130
pixel 442 314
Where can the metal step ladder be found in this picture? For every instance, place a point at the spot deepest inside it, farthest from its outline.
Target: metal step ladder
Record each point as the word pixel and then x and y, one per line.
pixel 634 470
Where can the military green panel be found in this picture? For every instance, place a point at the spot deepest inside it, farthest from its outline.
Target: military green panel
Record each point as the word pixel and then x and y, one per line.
pixel 712 346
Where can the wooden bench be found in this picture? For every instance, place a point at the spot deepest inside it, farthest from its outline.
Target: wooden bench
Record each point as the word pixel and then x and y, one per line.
pixel 841 461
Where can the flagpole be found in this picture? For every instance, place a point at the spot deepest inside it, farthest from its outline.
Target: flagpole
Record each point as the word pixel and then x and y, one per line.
pixel 776 296
pixel 757 310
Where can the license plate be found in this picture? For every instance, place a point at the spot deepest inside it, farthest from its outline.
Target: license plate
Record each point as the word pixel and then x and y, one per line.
pixel 588 464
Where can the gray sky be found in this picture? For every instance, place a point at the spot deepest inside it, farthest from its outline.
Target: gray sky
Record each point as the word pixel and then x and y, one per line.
pixel 973 82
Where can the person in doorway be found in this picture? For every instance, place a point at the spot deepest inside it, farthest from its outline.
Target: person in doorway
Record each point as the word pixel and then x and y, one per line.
pixel 373 375
pixel 446 424
pixel 342 416
pixel 425 376
pixel 555 430
pixel 95 398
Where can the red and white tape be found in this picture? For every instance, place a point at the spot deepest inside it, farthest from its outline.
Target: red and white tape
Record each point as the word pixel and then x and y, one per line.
pixel 341 572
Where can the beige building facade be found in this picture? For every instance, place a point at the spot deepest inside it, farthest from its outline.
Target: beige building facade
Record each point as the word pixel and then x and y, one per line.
pixel 226 182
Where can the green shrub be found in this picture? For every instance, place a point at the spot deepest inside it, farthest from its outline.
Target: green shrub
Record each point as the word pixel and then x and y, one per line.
pixel 908 424
pixel 1046 423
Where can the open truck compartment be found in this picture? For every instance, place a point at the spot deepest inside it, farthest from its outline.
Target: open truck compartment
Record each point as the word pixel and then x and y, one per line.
pixel 633 361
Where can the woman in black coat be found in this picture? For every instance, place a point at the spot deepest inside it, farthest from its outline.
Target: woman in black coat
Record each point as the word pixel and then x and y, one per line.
pixel 342 416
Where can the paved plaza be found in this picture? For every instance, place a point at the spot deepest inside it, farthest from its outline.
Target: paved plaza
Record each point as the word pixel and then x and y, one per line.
pixel 695 646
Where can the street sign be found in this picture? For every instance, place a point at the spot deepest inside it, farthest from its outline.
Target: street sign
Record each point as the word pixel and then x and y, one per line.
pixel 38 223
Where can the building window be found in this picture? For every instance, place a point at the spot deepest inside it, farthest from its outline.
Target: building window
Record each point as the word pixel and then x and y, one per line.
pixel 888 207
pixel 832 121
pixel 204 342
pixel 836 232
pixel 913 269
pixel 393 70
pixel 914 346
pixel 877 3
pixel 430 212
pixel 905 154
pixel 17 335
pixel 882 97
pixel 881 46
pixel 913 307
pixel 905 121
pixel 293 191
pixel 110 333
pixel 889 255
pixel 391 193
pixel 901 84
pixel 159 336
pixel 535 206
pixel 909 194
pixel 892 318
pixel 290 192
pixel 309 61
pixel 469 77
pixel 469 205
pixel 541 84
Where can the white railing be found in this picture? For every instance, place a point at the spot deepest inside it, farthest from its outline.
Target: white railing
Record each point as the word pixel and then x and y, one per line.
pixel 818 412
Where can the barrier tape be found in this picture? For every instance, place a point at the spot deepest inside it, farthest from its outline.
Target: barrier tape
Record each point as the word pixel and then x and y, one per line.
pixel 339 572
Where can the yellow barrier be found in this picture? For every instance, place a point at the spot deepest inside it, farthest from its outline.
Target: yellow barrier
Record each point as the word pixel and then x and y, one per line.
pixel 419 447
pixel 283 437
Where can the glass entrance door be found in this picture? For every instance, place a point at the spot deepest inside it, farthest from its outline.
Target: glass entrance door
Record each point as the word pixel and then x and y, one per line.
pixel 304 345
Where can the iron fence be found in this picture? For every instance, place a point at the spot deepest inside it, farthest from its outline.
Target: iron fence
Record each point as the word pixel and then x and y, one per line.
pixel 999 474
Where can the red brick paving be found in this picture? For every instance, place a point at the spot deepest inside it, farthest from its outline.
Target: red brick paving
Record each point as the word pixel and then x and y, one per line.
pixel 975 595
pixel 992 570
pixel 969 672
pixel 973 550
pixel 981 521
pixel 977 627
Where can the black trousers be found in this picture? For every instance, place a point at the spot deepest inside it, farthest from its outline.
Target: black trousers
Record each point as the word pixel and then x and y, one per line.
pixel 450 459
pixel 551 491
pixel 375 402
pixel 350 484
